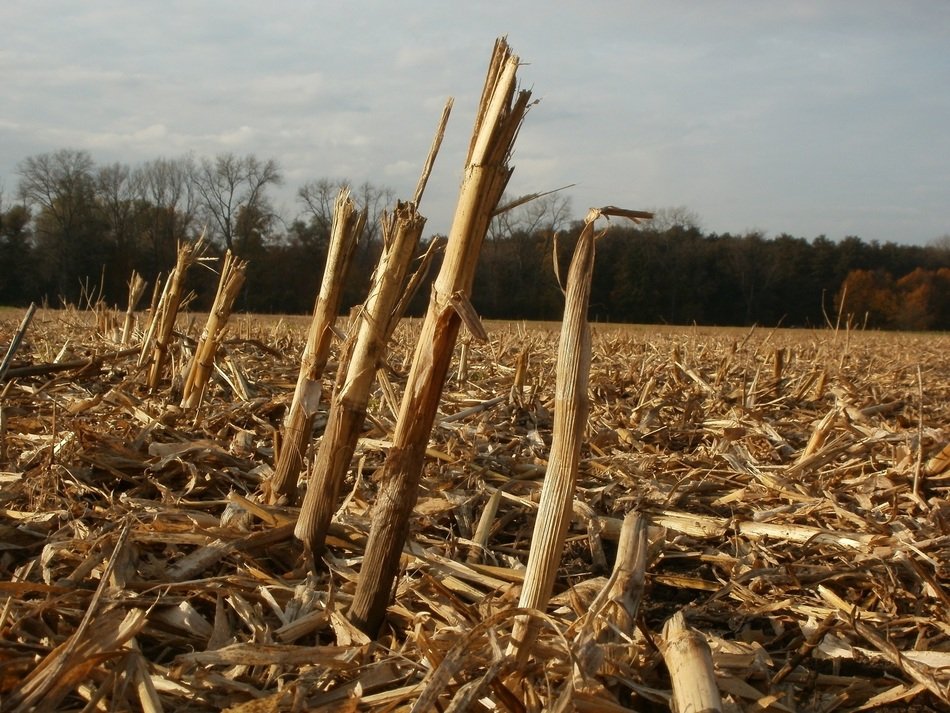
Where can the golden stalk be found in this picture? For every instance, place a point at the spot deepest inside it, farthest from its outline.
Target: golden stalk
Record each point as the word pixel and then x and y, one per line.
pixel 347 225
pixel 571 406
pixel 202 363
pixel 354 384
pixel 163 321
pixel 690 664
pixel 486 174
pixel 136 289
pixel 374 325
pixel 157 292
pixel 412 286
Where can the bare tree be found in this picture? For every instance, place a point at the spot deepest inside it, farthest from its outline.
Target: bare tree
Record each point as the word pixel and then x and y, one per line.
pixel 61 183
pixel 942 243
pixel 318 198
pixel 547 214
pixel 117 189
pixel 680 216
pixel 374 199
pixel 229 184
pixel 68 228
pixel 166 187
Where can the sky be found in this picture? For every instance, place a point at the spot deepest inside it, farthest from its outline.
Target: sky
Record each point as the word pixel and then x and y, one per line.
pixel 807 118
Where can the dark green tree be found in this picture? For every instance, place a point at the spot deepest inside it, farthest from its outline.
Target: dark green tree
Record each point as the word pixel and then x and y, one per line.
pixel 71 247
pixel 17 268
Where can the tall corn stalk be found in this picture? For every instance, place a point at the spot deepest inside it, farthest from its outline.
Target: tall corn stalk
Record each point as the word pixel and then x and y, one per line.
pixel 570 419
pixel 348 223
pixel 137 286
pixel 499 116
pixel 199 368
pixel 163 320
pixel 571 406
pixel 401 232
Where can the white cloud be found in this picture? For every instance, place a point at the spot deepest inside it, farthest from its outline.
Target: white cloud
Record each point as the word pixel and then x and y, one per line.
pixel 781 115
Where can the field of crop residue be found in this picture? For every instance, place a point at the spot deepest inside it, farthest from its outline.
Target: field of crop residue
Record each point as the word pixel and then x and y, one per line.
pixel 776 503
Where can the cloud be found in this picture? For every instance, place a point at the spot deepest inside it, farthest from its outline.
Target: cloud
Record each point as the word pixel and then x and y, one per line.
pixel 794 116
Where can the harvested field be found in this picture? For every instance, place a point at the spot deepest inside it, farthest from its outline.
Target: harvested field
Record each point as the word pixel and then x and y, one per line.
pixel 790 491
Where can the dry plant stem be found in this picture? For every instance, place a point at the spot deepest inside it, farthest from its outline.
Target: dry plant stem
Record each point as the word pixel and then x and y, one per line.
pixel 137 286
pixel 690 664
pixel 629 573
pixel 412 287
pixel 167 311
pixel 486 174
pixel 437 243
pixel 402 231
pixel 571 407
pixel 72 364
pixel 611 616
pixel 347 225
pixel 49 682
pixel 17 339
pixel 202 364
pixel 157 292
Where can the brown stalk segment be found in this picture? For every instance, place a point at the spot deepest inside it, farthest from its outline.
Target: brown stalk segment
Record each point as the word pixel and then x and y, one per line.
pixel 199 369
pixel 402 230
pixel 571 406
pixel 347 225
pixel 415 282
pixel 629 573
pixel 690 664
pixel 486 174
pixel 778 368
pixel 374 326
pixel 611 616
pixel 163 321
pixel 149 335
pixel 137 286
pixel 17 340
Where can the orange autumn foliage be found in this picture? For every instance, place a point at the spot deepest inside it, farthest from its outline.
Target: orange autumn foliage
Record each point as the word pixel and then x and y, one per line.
pixel 918 301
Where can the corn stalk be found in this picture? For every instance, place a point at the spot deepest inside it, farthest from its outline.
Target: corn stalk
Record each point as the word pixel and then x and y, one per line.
pixel 348 223
pixel 486 174
pixel 202 363
pixel 401 232
pixel 163 320
pixel 571 406
pixel 137 286
pixel 690 664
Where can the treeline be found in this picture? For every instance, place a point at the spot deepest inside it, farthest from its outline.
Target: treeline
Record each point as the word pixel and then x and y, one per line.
pixel 76 230
pixel 676 274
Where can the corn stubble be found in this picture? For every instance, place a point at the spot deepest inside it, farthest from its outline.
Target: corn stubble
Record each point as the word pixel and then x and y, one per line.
pixel 198 370
pixel 499 116
pixel 777 504
pixel 364 353
pixel 348 222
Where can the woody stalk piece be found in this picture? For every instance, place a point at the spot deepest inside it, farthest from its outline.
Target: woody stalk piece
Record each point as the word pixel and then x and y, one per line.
pixel 402 229
pixel 348 223
pixel 500 113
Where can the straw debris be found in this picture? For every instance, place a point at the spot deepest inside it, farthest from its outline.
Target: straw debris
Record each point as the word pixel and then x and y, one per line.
pixel 815 582
pixel 725 519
